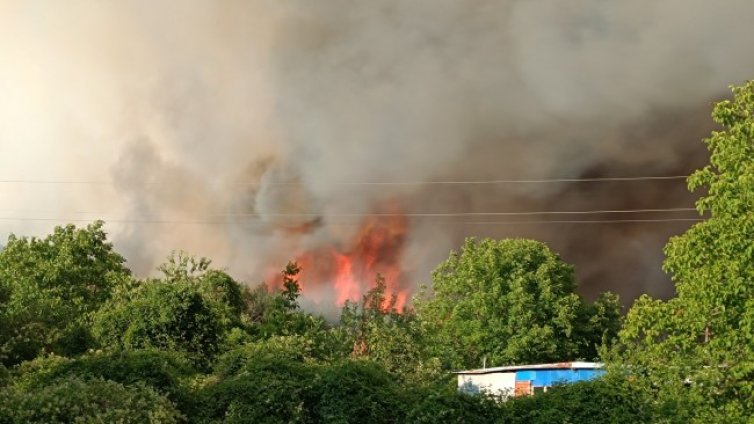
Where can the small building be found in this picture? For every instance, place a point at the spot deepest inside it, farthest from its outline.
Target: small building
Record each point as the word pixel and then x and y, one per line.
pixel 522 380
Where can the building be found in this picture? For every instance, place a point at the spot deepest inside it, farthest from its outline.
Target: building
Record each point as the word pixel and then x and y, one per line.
pixel 522 380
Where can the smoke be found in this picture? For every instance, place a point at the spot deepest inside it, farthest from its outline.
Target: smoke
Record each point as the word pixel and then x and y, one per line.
pixel 239 129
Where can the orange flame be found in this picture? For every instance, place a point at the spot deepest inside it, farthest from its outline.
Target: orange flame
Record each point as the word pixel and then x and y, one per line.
pixel 345 282
pixel 350 272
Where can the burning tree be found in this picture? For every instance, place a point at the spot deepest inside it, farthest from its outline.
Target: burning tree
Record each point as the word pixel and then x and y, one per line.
pixel 340 273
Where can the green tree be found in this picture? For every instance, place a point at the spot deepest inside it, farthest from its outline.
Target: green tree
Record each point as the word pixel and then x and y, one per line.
pixel 218 289
pixel 192 308
pixel 511 302
pixel 361 320
pixel 48 288
pixel 279 314
pixel 696 350
pixel 291 287
pixel 374 329
pixel 172 317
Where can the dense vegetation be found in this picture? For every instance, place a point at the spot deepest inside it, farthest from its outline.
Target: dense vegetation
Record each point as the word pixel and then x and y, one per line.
pixel 83 340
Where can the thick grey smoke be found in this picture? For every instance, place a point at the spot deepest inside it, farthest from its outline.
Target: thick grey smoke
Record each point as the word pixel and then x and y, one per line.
pixel 236 129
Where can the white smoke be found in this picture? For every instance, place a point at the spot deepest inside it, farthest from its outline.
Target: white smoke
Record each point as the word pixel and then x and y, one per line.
pixel 217 117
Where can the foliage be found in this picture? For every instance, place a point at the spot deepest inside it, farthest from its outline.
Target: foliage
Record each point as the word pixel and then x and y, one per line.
pixel 73 400
pixel 281 315
pixel 172 317
pixel 446 405
pixel 270 361
pixel 256 303
pixel 218 289
pixel 291 348
pixel 396 340
pixel 285 388
pixel 613 399
pixel 274 316
pixel 162 371
pixel 511 302
pixel 358 392
pixel 49 286
pixel 264 389
pixel 696 351
pixel 291 288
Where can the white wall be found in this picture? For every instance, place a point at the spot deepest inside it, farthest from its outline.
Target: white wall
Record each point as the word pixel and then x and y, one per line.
pixel 499 384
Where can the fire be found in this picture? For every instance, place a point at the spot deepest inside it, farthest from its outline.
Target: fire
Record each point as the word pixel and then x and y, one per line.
pixel 345 283
pixel 347 272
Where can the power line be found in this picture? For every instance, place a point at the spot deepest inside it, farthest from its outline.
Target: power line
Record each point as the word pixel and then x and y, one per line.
pixel 56 182
pixel 393 183
pixel 420 214
pixel 460 214
pixel 515 181
pixel 598 221
pixel 207 222
pixel 173 222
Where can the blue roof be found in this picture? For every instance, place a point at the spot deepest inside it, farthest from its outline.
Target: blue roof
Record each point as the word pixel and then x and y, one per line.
pixel 576 365
pixel 550 377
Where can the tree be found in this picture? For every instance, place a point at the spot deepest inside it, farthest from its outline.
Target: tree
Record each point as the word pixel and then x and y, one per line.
pixel 360 320
pixel 173 317
pixel 281 314
pixel 291 288
pixel 511 302
pixel 49 286
pixel 218 289
pixel 377 331
pixel 696 351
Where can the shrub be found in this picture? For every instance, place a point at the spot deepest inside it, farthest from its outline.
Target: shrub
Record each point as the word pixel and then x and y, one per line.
pixel 73 400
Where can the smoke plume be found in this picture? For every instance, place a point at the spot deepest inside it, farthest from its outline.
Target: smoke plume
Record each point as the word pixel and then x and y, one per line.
pixel 243 130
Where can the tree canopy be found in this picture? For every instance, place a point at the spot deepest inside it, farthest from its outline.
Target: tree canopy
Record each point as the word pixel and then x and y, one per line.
pixel 702 341
pixel 48 288
pixel 512 302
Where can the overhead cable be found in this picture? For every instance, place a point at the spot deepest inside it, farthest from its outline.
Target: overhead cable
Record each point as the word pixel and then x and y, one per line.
pixel 388 183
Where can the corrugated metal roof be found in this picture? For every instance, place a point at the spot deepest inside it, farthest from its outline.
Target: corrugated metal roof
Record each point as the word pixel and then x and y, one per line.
pixel 554 366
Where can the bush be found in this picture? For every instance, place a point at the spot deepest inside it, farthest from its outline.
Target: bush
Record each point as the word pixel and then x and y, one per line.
pixel 171 317
pixel 261 390
pixel 162 371
pixel 73 400
pixel 359 392
pixel 612 399
pixel 449 406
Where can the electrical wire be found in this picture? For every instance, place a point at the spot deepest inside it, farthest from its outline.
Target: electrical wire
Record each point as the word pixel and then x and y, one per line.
pixel 461 214
pixel 417 215
pixel 514 181
pixel 598 221
pixel 219 222
pixel 388 183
